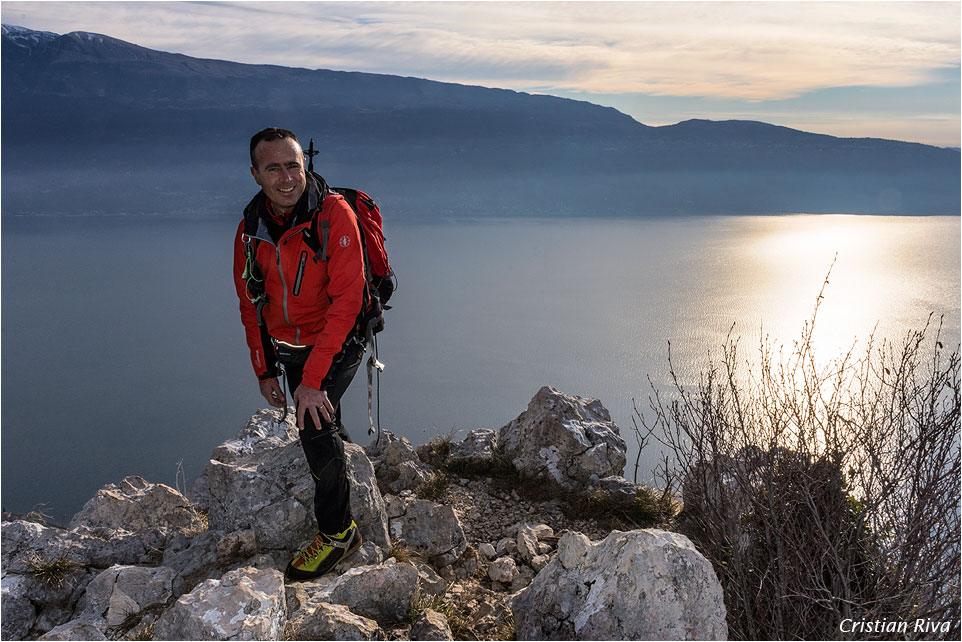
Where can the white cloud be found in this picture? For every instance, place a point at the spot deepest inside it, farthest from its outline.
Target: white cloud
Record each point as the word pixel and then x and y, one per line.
pixel 754 51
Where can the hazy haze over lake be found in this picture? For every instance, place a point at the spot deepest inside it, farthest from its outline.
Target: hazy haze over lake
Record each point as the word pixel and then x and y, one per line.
pixel 123 351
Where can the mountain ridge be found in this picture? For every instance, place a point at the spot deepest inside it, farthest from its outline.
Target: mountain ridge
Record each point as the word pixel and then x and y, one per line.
pixel 100 93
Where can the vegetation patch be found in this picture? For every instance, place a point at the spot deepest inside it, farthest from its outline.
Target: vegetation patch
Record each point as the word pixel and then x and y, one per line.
pixel 435 486
pixel 436 451
pixel 54 572
pixel 822 491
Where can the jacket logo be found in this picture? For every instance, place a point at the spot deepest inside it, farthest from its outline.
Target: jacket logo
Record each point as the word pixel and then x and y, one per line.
pixel 345 241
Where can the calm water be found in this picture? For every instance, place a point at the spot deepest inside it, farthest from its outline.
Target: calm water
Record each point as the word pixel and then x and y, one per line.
pixel 122 350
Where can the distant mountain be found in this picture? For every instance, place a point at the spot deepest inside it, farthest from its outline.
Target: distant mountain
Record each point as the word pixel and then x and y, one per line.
pixel 91 102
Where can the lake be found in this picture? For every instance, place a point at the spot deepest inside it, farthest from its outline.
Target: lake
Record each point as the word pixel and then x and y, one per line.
pixel 123 353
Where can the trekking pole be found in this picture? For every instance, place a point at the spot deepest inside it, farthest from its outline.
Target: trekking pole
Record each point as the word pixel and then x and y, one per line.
pixel 311 153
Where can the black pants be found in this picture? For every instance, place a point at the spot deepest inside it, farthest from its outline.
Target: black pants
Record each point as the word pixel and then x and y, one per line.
pixel 324 446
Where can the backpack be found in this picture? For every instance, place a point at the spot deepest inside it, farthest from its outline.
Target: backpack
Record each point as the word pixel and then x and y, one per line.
pixel 378 274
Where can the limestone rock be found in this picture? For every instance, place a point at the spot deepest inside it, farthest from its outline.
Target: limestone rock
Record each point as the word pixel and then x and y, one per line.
pixel 237 545
pixel 396 463
pixel 431 625
pixel 643 584
pixel 527 541
pixel 538 562
pixel 506 546
pixel 123 591
pixel 478 445
pixel 565 439
pixel 503 570
pixel 79 629
pixel 383 592
pixel 24 541
pixel 429 581
pixel 368 554
pixel 367 504
pixel 245 604
pixel 324 621
pixel 194 559
pixel 522 579
pixel 19 613
pixel 135 504
pixel 260 481
pixel 618 487
pixel 488 551
pixel 433 530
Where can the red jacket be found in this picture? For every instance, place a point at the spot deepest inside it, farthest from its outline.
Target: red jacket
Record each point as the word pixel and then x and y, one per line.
pixel 310 302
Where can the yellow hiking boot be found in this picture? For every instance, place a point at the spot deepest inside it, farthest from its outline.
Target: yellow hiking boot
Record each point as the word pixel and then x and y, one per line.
pixel 320 556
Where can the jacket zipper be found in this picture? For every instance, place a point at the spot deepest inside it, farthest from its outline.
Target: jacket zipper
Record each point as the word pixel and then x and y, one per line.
pixel 280 271
pixel 300 272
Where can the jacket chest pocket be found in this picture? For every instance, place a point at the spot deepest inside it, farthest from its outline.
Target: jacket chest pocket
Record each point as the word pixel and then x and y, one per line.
pixel 304 276
pixel 299 278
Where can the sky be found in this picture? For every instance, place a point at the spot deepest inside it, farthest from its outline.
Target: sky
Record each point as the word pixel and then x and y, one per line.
pixel 851 69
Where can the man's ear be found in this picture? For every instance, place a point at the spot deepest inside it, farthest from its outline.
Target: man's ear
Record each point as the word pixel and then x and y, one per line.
pixel 255 175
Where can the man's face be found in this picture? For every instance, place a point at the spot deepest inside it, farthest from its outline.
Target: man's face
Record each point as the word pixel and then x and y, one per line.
pixel 279 170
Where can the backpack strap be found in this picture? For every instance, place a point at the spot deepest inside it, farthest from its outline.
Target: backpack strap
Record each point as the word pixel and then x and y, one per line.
pixel 325 229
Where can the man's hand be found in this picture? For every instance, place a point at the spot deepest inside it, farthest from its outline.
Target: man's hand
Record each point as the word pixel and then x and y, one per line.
pixel 273 393
pixel 312 400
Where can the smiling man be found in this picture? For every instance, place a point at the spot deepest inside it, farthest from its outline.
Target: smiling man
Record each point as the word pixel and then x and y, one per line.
pixel 300 302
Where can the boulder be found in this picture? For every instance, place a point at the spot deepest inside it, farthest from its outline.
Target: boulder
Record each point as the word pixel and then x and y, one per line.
pixel 384 592
pixel 135 504
pixel 124 591
pixel 503 570
pixel 317 620
pixel 18 612
pixel 80 629
pixel 396 463
pixel 538 562
pixel 194 559
pixel 644 584
pixel 479 445
pixel 51 567
pixel 245 604
pixel 260 481
pixel 565 439
pixel 367 504
pixel 431 625
pixel 618 487
pixel 527 541
pixel 431 529
pixel 24 544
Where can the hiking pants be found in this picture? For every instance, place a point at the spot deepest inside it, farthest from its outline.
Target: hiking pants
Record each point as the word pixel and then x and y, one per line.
pixel 324 446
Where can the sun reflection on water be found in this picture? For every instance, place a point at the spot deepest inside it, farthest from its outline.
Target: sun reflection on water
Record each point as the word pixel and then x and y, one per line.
pixel 785 263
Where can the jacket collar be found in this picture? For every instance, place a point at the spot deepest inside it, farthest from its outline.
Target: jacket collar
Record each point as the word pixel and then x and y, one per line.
pixel 257 218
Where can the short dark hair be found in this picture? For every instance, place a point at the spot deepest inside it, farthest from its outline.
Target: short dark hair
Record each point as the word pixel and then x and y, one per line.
pixel 268 134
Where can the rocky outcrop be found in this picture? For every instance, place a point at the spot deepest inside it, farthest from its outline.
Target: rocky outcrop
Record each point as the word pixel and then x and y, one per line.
pixel 396 463
pixel 479 445
pixel 428 528
pixel 332 622
pixel 385 592
pixel 431 625
pixel 259 480
pixel 141 561
pixel 245 604
pixel 582 593
pixel 135 505
pixel 122 592
pixel 567 440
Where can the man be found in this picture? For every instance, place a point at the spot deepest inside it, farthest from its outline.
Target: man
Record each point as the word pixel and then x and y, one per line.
pixel 300 306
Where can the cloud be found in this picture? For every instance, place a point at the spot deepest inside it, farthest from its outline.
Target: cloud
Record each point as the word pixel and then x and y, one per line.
pixel 750 51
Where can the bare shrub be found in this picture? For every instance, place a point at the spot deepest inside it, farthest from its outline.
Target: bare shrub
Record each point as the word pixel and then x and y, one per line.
pixel 822 493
